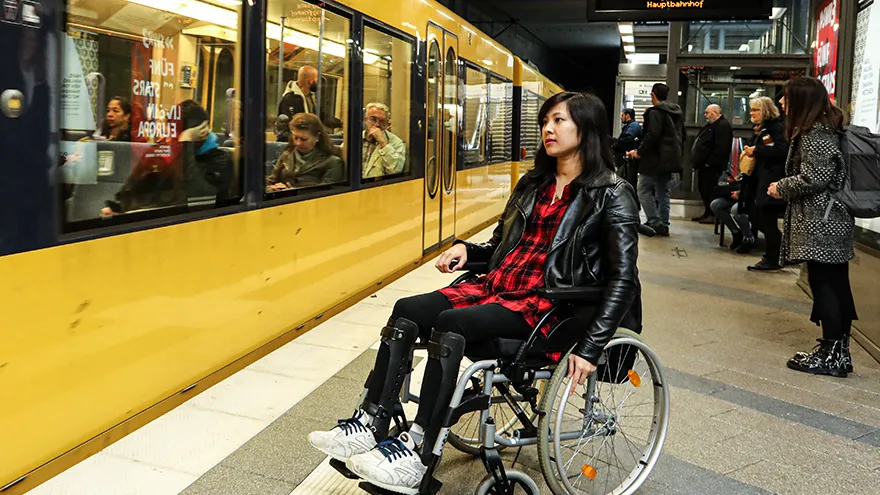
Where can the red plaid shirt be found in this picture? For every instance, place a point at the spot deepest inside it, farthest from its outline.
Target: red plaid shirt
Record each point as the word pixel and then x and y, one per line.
pixel 512 284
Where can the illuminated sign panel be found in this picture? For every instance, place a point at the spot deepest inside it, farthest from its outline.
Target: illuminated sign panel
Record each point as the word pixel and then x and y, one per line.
pixel 825 52
pixel 677 10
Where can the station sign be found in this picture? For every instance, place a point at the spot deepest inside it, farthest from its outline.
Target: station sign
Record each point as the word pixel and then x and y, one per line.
pixel 677 10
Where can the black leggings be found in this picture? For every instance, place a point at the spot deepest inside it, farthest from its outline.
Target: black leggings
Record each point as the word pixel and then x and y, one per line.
pixel 768 224
pixel 833 305
pixel 476 324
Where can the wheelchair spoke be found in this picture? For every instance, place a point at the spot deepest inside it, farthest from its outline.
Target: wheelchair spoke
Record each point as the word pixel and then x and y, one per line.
pixel 625 403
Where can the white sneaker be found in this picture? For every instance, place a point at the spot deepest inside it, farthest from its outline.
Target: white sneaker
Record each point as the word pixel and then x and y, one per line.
pixel 349 437
pixel 393 465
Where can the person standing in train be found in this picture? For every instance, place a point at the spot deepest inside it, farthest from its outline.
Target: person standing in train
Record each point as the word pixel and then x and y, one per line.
pixel 299 96
pixel 571 200
pixel 818 230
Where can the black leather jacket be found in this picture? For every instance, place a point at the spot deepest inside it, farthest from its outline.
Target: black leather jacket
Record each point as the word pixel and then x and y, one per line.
pixel 595 247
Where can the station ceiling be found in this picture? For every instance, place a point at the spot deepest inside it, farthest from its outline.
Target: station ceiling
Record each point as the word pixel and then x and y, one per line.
pixel 563 25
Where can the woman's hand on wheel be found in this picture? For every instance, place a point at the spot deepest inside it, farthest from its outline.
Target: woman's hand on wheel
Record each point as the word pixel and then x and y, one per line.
pixel 452 259
pixel 579 369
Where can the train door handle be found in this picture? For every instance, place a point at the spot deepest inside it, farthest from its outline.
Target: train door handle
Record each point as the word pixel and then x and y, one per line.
pixel 12 103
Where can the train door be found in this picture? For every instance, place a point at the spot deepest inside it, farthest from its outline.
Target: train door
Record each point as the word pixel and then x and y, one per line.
pixel 442 133
pixel 28 119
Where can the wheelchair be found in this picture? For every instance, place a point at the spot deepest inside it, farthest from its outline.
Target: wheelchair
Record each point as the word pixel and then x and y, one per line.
pixel 603 439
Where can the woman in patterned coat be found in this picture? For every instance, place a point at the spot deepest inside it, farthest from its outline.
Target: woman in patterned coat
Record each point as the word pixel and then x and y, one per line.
pixel 818 229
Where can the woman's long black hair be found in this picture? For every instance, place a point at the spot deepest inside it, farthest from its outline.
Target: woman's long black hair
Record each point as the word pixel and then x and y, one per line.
pixel 591 118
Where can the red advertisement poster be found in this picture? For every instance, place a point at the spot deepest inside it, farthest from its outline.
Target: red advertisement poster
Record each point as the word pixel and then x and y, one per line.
pixel 825 51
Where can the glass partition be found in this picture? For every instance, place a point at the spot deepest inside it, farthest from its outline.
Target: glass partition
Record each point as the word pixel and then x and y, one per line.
pixel 786 32
pixel 149 110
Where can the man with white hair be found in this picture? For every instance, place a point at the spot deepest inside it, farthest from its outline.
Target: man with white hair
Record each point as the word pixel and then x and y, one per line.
pixel 710 157
pixel 383 152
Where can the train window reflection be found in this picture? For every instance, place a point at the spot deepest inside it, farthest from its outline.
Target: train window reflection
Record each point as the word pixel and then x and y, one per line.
pixel 308 52
pixel 500 136
pixel 387 100
pixel 149 116
pixel 475 118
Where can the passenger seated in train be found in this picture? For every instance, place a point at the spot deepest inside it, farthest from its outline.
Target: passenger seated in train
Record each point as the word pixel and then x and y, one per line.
pixel 197 169
pixel 570 223
pixel 282 129
pixel 384 153
pixel 310 158
pixel 117 122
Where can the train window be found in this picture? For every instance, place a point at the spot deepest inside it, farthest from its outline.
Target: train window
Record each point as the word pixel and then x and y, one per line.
pixel 306 98
pixel 475 117
pixel 531 131
pixel 387 100
pixel 149 116
pixel 500 119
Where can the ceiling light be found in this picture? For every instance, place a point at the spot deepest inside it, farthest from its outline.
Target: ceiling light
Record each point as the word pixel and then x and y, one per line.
pixel 628 39
pixel 194 9
pixel 629 48
pixel 625 28
pixel 734 67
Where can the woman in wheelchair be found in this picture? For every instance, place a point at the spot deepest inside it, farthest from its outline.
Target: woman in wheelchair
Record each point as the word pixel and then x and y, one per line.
pixel 570 225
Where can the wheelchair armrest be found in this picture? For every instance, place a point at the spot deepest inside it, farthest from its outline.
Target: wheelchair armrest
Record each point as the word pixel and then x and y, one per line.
pixel 573 294
pixel 471 271
pixel 476 267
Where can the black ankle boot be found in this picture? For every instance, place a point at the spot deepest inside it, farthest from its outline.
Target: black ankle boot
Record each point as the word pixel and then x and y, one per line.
pixel 747 244
pixel 847 357
pixel 827 358
pixel 737 240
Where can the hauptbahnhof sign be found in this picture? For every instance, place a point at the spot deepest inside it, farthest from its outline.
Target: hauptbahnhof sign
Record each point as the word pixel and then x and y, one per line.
pixel 677 10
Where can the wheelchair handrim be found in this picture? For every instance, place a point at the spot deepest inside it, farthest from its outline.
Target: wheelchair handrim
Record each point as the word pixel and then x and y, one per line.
pixel 654 445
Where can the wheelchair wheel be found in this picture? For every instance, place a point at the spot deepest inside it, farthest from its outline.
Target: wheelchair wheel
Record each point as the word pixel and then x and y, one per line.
pixel 521 485
pixel 465 435
pixel 605 438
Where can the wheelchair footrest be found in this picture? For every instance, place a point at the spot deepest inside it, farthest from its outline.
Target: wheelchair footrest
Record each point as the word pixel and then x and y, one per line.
pixel 342 469
pixel 433 488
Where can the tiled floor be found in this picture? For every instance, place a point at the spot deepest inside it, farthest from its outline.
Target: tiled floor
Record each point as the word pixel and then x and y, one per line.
pixel 741 422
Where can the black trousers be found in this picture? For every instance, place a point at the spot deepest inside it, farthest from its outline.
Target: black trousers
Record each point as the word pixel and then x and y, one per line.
pixel 430 311
pixel 631 174
pixel 768 224
pixel 833 305
pixel 707 181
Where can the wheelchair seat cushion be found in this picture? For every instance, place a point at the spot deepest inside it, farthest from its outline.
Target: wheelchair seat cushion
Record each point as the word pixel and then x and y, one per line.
pixel 506 349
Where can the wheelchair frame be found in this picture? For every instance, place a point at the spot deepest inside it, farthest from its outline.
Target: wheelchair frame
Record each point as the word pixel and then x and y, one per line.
pixel 501 480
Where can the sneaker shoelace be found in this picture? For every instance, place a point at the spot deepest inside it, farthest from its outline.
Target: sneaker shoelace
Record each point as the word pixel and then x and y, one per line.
pixel 350 426
pixel 394 449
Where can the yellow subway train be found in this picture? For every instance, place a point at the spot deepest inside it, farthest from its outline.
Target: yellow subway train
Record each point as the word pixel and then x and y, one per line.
pixel 177 216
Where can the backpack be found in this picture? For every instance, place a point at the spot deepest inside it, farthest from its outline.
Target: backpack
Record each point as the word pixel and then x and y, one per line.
pixel 861 161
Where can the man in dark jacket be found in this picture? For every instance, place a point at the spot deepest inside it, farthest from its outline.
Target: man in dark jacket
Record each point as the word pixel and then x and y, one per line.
pixel 630 136
pixel 660 155
pixel 299 96
pixel 710 156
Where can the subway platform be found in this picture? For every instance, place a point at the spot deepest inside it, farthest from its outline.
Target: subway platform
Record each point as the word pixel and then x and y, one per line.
pixel 741 422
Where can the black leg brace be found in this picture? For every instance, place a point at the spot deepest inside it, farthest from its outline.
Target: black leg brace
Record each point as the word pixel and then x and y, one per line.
pixel 399 338
pixel 447 350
